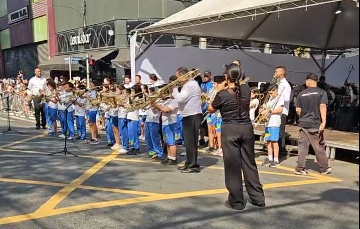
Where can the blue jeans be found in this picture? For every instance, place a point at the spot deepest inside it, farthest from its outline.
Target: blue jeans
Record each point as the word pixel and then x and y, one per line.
pixel 109 131
pixel 123 127
pixel 153 139
pixel 81 126
pixel 133 131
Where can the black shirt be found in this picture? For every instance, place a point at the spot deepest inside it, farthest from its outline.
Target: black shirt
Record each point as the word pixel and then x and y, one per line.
pixel 309 101
pixel 227 103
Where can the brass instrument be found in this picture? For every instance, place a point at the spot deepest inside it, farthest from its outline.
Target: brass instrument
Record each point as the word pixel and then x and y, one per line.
pixel 166 91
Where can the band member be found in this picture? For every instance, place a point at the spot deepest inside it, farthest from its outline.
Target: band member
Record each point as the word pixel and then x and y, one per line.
pixel 36 85
pixel 123 123
pixel 67 120
pixel 61 111
pixel 114 118
pixel 189 99
pixel 80 113
pixel 311 106
pixel 219 84
pixel 238 141
pixel 206 86
pixel 133 122
pixel 52 108
pixel 108 125
pixel 91 115
pixel 142 112
pixel 272 131
pixel 152 137
pixel 254 104
pixel 285 91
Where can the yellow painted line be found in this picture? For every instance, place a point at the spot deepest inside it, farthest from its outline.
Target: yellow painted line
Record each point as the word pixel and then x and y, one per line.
pixel 215 167
pixel 138 200
pixel 68 189
pixel 85 187
pixel 22 141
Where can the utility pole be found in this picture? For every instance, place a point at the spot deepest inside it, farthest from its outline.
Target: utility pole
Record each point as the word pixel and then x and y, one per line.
pixel 83 11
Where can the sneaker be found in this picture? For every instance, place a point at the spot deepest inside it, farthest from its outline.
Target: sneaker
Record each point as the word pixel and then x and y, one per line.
pixel 70 138
pixel 62 136
pixel 94 142
pixel 302 172
pixel 326 172
pixel 168 161
pixel 267 162
pixel 210 150
pixel 122 151
pixel 274 164
pixel 116 147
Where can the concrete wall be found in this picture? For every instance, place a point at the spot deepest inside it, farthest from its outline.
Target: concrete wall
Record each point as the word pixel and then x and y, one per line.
pixel 69 17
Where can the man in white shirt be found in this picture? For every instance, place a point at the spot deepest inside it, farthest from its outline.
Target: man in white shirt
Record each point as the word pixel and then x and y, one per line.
pixel 128 84
pixel 189 99
pixel 285 92
pixel 36 86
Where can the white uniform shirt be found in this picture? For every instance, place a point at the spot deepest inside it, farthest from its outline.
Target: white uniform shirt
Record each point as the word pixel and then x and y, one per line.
pixel 170 117
pixel 253 107
pixel 275 119
pixel 133 115
pixel 122 112
pixel 36 84
pixel 113 112
pixel 92 95
pixel 66 104
pixel 285 91
pixel 189 99
pixel 153 115
pixel 127 86
pixel 80 110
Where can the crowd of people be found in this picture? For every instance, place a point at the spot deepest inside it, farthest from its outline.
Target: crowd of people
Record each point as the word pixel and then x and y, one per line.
pixel 177 118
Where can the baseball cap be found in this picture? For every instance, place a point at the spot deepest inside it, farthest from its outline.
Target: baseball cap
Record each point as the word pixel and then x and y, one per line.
pixel 207 73
pixel 313 77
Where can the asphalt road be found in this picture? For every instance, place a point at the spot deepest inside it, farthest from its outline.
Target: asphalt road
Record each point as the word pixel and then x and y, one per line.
pixel 101 189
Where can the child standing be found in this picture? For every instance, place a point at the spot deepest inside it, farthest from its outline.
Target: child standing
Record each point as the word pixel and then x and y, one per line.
pixel 80 112
pixel 152 136
pixel 272 131
pixel 123 127
pixel 133 123
pixel 52 110
pixel 68 120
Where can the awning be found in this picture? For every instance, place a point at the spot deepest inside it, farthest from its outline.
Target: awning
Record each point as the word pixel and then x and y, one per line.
pixel 123 59
pixel 305 23
pixel 59 63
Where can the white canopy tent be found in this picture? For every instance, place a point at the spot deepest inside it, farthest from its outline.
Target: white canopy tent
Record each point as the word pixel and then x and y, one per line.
pixel 320 24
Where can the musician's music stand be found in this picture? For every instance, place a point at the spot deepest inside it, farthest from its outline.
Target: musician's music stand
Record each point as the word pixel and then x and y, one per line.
pixel 9 129
pixel 65 151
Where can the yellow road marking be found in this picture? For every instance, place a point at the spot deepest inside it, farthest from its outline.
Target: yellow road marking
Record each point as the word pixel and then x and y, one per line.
pixel 215 167
pixel 22 141
pixel 85 187
pixel 137 200
pixel 68 189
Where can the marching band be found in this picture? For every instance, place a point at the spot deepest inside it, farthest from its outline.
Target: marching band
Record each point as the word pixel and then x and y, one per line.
pixel 165 116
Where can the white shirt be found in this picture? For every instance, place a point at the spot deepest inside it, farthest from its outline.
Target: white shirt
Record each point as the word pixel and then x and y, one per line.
pixel 285 91
pixel 92 95
pixel 113 112
pixel 275 119
pixel 189 99
pixel 133 115
pixel 80 110
pixel 170 117
pixel 129 85
pixel 153 115
pixel 36 84
pixel 254 104
pixel 122 112
pixel 142 112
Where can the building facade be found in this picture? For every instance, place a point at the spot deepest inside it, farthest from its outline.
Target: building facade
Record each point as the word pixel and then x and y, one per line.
pixel 23 36
pixel 84 27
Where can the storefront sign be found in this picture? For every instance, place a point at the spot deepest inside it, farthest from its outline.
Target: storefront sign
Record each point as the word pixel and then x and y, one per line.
pixel 18 15
pixel 92 37
pixel 80 40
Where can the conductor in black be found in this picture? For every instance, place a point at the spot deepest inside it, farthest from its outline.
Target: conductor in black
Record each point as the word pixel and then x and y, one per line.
pixel 238 141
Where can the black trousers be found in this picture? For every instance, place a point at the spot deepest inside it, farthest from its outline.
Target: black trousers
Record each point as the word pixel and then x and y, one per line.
pixel 282 140
pixel 238 146
pixel 39 113
pixel 191 127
